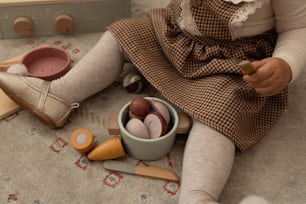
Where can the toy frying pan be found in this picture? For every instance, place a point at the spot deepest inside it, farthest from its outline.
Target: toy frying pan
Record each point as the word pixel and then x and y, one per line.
pixel 47 62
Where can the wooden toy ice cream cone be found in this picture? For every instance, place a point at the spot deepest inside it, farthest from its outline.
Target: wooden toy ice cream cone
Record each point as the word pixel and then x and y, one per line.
pixel 110 149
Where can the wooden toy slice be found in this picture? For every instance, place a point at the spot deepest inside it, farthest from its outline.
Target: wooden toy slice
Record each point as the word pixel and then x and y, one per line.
pixel 82 140
pixel 137 128
pixel 161 109
pixel 155 124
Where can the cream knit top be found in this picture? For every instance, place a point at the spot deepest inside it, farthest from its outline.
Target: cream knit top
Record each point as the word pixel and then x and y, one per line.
pixel 289 19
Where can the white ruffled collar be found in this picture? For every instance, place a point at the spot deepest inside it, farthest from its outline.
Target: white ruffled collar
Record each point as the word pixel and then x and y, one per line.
pixel 244 12
pixel 239 1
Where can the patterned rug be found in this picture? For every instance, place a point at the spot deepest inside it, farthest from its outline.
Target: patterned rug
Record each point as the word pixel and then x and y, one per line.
pixel 39 166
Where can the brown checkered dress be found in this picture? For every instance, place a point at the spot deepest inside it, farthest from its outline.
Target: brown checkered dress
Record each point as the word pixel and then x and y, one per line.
pixel 198 71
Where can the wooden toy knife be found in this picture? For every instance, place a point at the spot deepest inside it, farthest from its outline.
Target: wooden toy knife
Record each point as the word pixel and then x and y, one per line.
pixel 147 171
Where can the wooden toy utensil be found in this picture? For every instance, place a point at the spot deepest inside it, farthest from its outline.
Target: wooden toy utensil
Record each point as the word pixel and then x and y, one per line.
pixel 4 65
pixel 147 171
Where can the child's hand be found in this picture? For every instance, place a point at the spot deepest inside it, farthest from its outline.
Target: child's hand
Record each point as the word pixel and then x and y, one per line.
pixel 271 77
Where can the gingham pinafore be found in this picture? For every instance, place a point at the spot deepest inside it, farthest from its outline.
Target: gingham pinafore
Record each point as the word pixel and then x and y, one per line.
pixel 198 71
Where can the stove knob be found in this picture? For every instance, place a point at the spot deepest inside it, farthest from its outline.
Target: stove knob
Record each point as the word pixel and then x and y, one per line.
pixel 23 26
pixel 64 23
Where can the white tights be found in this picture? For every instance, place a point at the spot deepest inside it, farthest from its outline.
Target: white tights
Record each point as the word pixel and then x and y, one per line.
pixel 98 69
pixel 208 159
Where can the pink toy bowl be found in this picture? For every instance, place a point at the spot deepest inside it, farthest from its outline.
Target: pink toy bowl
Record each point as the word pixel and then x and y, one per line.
pixel 47 63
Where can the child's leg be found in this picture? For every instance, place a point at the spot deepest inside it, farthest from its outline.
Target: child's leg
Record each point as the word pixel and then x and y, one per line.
pixel 208 159
pixel 94 72
pixel 52 102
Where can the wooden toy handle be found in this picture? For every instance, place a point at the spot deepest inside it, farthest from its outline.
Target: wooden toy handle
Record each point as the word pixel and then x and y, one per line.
pixel 156 172
pixel 4 65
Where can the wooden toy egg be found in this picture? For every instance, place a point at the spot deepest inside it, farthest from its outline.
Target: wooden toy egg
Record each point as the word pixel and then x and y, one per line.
pixel 161 109
pixel 139 107
pixel 155 124
pixel 137 128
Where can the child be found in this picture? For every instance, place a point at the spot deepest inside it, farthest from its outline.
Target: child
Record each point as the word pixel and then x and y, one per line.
pixel 190 52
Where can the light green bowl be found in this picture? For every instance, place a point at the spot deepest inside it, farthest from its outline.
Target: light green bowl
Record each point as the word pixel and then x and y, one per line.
pixel 148 149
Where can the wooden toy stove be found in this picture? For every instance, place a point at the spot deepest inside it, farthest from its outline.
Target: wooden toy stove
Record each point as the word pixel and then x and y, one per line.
pixel 20 18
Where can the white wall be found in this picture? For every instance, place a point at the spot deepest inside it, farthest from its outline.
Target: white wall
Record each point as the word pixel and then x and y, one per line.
pixel 139 7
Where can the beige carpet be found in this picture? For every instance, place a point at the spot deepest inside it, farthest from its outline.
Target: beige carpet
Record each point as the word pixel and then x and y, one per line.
pixel 39 166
